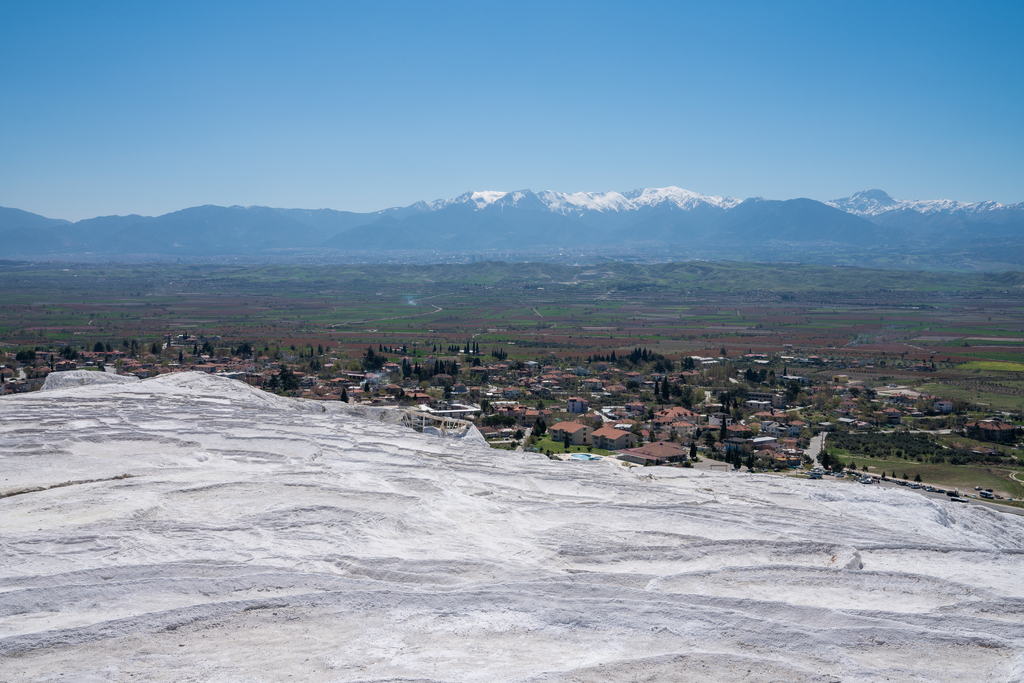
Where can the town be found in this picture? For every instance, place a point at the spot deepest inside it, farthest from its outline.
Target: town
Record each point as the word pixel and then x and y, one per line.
pixel 726 412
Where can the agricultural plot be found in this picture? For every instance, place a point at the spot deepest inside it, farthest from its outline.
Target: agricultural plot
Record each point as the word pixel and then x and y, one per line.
pixel 892 320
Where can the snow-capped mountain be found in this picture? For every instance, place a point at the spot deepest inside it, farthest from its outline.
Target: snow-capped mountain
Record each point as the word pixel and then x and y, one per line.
pixel 579 202
pixel 647 220
pixel 870 203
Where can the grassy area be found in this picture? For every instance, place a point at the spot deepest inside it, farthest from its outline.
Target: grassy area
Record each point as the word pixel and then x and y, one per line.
pixel 963 477
pixel 996 395
pixel 997 366
pixel 546 444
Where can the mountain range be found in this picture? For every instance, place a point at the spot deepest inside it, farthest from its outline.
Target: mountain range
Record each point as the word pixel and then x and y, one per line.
pixel 655 220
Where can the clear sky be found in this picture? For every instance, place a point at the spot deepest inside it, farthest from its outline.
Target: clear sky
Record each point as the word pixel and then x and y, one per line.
pixel 142 107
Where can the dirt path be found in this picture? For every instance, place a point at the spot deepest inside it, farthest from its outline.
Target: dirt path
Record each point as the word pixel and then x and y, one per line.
pixel 437 309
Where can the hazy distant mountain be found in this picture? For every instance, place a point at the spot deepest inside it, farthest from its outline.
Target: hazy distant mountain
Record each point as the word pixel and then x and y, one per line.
pixel 510 220
pixel 943 223
pixel 651 220
pixel 874 203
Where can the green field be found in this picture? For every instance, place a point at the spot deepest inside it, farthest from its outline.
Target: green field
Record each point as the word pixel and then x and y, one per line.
pixel 993 366
pixel 546 444
pixel 945 475
pixel 1004 395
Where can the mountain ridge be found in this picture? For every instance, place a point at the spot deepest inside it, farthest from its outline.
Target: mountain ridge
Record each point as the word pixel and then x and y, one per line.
pixel 668 218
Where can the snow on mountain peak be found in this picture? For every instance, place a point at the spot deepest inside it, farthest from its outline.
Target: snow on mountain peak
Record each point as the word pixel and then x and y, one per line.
pixel 875 202
pixel 572 202
pixel 482 199
pixel 578 202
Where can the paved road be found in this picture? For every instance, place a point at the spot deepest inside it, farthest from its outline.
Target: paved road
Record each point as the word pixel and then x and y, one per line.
pixel 942 496
pixel 526 435
pixel 814 449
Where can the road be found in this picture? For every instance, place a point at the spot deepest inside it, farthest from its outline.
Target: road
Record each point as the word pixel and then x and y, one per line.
pixel 437 309
pixel 526 435
pixel 942 496
pixel 814 449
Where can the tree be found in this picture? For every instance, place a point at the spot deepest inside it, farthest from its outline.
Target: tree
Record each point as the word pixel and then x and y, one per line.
pixel 693 450
pixel 99 348
pixel 917 477
pixel 344 395
pixel 287 380
pixel 686 396
pixel 565 440
pixel 372 361
pixel 825 459
pixel 540 426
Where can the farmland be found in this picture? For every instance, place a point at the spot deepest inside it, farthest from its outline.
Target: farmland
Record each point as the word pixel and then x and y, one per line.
pixel 876 326
pixel 894 317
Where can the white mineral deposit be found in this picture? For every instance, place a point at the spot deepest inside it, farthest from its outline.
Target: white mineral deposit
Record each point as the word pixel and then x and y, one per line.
pixel 191 527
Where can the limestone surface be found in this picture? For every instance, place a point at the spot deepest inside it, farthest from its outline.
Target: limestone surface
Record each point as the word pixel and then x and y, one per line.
pixel 190 527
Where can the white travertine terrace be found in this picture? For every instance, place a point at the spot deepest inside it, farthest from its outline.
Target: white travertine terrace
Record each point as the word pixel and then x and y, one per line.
pixel 261 538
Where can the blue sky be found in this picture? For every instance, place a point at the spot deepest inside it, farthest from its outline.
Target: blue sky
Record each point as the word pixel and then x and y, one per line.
pixel 152 107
